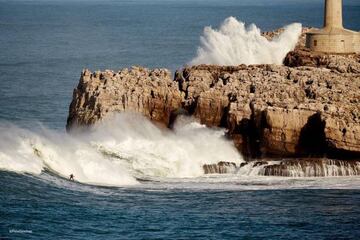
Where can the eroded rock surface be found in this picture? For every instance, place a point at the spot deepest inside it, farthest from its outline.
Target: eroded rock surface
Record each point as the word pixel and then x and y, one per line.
pixel 150 92
pixel 277 110
pixel 309 108
pixel 339 63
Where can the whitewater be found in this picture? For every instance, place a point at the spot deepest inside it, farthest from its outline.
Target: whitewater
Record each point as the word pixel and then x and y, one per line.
pixel 234 43
pixel 117 151
pixel 129 150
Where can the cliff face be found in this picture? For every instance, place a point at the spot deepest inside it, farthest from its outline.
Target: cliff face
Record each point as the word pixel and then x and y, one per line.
pixel 309 107
pixel 277 110
pixel 150 92
pixel 267 109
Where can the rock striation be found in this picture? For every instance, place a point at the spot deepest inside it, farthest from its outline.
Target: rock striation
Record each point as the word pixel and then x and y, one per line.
pixel 309 107
pixel 150 92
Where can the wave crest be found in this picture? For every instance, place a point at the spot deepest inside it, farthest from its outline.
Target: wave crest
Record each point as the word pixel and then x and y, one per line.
pixel 234 44
pixel 117 151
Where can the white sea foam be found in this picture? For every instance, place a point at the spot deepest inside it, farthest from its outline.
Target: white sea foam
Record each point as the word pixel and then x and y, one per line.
pixel 25 151
pixel 117 151
pixel 158 152
pixel 234 44
pixel 120 150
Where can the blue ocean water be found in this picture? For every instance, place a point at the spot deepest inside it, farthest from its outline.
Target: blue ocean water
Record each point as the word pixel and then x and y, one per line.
pixel 44 45
pixel 57 209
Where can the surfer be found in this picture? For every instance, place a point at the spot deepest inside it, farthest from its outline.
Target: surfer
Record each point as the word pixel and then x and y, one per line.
pixel 72 177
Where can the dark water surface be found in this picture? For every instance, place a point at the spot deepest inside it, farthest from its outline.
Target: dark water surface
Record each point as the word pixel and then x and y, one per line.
pixel 44 45
pixel 69 211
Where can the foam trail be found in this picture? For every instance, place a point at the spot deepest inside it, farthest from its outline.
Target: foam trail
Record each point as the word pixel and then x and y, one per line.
pixel 234 44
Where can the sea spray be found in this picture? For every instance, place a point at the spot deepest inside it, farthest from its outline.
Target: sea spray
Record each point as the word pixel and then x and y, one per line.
pixel 154 152
pixel 234 44
pixel 31 152
pixel 16 151
pixel 116 151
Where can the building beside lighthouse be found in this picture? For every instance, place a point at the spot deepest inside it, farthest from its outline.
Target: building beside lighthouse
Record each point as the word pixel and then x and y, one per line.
pixel 333 38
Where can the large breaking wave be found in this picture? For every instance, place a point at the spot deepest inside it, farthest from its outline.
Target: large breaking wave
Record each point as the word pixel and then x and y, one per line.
pixel 117 151
pixel 234 44
pixel 128 148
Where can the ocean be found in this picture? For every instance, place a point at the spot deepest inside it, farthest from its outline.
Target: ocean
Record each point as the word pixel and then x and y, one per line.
pixel 148 188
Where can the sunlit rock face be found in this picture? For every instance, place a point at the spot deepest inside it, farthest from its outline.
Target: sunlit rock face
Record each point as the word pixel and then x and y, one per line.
pixel 309 108
pixel 277 110
pixel 150 92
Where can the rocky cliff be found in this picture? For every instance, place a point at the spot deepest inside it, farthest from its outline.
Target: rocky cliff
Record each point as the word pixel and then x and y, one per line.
pixel 150 92
pixel 308 107
pixel 277 110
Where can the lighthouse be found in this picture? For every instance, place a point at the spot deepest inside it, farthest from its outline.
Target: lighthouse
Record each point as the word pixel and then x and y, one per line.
pixel 333 38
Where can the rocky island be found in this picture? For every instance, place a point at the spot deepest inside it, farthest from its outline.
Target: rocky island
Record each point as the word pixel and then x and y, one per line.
pixel 307 108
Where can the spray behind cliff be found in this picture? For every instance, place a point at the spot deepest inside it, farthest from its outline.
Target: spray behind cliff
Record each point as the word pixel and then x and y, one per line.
pixel 234 44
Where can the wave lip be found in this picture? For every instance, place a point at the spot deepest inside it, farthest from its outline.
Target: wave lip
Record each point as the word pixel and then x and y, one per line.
pixel 234 44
